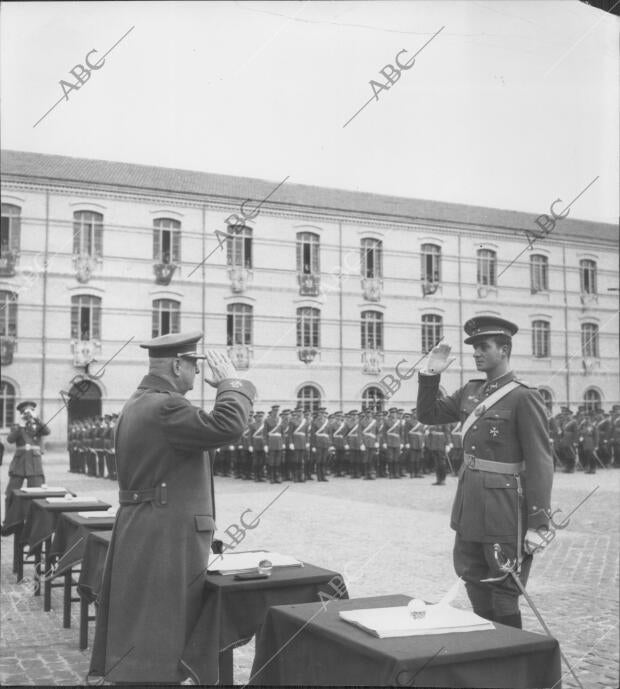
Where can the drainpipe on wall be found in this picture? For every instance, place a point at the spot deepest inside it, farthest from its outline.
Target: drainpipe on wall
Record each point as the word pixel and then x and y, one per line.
pixel 44 314
pixel 460 315
pixel 340 352
pixel 566 356
pixel 203 301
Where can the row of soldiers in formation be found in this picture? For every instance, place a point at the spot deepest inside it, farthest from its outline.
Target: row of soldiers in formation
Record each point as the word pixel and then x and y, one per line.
pixel 586 439
pixel 296 444
pixel 90 443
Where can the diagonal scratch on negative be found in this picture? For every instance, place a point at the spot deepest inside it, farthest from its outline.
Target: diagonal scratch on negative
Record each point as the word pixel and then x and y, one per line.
pixel 580 354
pixel 426 664
pixel 578 41
pixel 118 662
pixel 219 555
pixel 586 654
pixel 104 365
pixel 103 58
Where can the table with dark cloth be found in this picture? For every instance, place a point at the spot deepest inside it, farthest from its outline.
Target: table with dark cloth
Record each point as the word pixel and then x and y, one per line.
pixel 68 548
pixel 39 528
pixel 91 575
pixel 311 645
pixel 233 611
pixel 18 506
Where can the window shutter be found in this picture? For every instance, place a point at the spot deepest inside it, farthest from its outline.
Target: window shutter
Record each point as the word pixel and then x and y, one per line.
pixel 77 233
pixel 156 245
pixel 98 238
pixel 175 321
pixel 155 319
pixel 16 233
pixel 96 319
pixel 75 319
pixel 176 245
pixel 248 252
pixel 300 267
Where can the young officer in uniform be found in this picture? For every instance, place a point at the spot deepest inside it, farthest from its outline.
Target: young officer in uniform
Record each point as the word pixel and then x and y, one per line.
pixel 504 491
pixel 152 585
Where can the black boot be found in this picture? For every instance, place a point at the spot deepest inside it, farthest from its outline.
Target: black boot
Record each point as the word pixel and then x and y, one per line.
pixel 277 475
pixel 510 620
pixel 272 473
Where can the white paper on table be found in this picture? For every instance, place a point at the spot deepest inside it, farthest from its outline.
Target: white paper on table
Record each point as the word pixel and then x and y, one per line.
pixel 47 489
pixel 235 563
pixel 397 621
pixel 97 514
pixel 71 499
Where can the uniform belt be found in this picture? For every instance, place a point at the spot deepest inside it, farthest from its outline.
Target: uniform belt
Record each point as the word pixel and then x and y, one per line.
pixel 158 494
pixel 28 446
pixel 477 464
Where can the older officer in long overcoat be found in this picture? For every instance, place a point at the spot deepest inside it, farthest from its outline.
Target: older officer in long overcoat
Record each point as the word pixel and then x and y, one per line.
pixel 504 488
pixel 152 582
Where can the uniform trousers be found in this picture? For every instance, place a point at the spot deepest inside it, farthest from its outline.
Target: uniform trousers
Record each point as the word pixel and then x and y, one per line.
pixel 474 561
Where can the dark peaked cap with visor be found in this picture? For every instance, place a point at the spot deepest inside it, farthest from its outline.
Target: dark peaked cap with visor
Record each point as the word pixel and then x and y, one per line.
pixel 173 345
pixel 484 326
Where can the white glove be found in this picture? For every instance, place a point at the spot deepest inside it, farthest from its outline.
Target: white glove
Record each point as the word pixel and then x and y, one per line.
pixel 291 446
pixel 362 447
pixel 438 360
pixel 536 542
pixel 231 447
pixel 346 447
pixel 376 444
pixel 250 449
pixel 313 449
pixel 307 445
pixel 407 446
pixel 385 446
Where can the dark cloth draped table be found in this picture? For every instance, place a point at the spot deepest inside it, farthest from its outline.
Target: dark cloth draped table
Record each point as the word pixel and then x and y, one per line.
pixel 67 550
pixel 310 645
pixel 39 528
pixel 233 612
pixel 18 506
pixel 91 575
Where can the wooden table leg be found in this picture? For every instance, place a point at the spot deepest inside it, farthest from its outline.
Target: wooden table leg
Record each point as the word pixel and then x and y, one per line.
pixel 226 667
pixel 83 622
pixel 47 576
pixel 66 603
pixel 37 570
pixel 18 547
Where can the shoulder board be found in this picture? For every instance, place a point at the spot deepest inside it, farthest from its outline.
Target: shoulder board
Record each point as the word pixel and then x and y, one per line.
pixel 526 384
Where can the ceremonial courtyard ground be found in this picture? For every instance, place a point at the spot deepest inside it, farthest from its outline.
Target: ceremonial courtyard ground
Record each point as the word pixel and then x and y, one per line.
pixel 384 536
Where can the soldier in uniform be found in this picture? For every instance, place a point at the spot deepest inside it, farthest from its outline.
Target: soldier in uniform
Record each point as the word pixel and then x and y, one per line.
pixel 152 584
pixel 353 443
pixel 297 440
pixel 588 441
pixel 614 437
pixel 258 447
pixel 394 441
pixel 338 430
pixel 568 438
pixel 322 443
pixel 438 438
pixel 288 454
pixel 26 464
pixel 108 446
pixel 416 445
pixel 368 427
pixel 272 436
pixel 603 426
pixel 504 491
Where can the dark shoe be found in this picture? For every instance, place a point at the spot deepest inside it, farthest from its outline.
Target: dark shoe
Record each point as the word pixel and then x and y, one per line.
pixel 438 483
pixel 510 620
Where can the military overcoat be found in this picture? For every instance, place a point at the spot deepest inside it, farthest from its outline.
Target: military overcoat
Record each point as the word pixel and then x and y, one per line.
pixel 152 583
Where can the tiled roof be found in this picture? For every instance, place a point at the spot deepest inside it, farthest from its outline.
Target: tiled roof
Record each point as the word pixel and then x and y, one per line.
pixel 83 171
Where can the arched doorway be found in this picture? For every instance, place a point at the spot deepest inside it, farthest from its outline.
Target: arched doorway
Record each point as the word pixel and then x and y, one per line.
pixel 84 400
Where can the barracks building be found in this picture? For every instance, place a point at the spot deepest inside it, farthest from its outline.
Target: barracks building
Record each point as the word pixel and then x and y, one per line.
pixel 318 293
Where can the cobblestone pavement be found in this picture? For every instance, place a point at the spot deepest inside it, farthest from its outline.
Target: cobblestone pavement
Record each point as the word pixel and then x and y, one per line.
pixel 386 536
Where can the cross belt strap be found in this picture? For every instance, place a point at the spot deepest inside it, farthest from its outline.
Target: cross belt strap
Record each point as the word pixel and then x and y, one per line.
pixel 477 464
pixel 484 407
pixel 135 497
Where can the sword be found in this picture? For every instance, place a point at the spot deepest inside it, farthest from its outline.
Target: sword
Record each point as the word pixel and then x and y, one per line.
pixel 447 454
pixel 509 566
pixel 598 459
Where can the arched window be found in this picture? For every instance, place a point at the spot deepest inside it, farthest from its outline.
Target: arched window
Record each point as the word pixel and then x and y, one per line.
pixel 592 399
pixel 539 273
pixel 85 317
pixel 309 397
pixel 541 339
pixel 432 331
pixel 166 240
pixel 238 324
pixel 372 258
pixel 373 398
pixel 166 317
pixel 308 253
pixel 88 233
pixel 7 404
pixel 587 275
pixel 8 315
pixel 431 264
pixel 239 246
pixel 589 341
pixel 308 327
pixel 372 330
pixel 487 267
pixel 547 397
pixel 10 229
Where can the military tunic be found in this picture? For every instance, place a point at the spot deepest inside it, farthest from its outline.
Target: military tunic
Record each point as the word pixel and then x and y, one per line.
pixel 152 583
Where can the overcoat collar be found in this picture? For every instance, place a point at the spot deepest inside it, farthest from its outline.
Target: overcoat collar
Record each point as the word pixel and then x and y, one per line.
pixel 153 382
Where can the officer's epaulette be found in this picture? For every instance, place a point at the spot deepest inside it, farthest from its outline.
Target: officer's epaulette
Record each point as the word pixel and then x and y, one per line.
pixel 526 384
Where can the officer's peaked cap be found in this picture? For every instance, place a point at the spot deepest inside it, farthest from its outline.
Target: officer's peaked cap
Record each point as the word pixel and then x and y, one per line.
pixel 173 345
pixel 484 326
pixel 26 403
